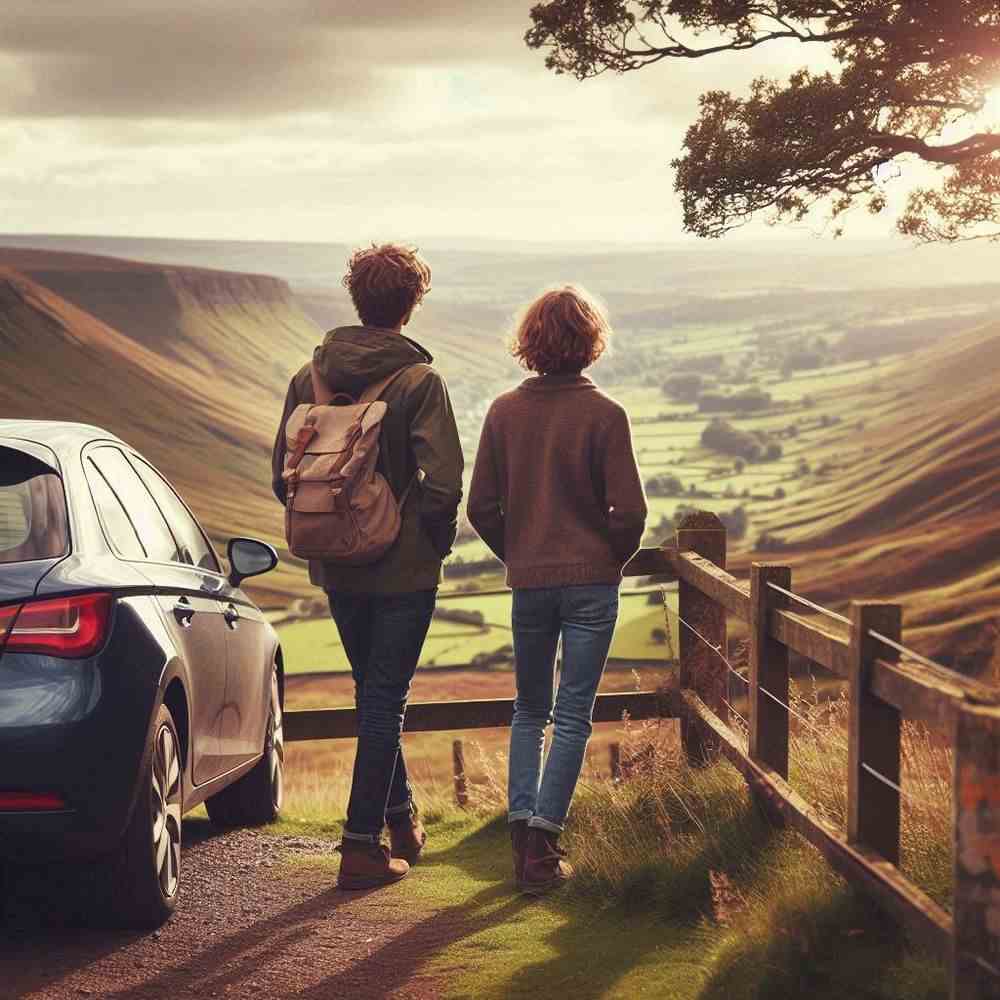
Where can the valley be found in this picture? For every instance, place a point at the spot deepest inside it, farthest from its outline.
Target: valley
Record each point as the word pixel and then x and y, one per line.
pixel 853 411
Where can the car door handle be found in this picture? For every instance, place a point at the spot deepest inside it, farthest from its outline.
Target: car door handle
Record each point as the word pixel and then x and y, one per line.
pixel 183 612
pixel 231 615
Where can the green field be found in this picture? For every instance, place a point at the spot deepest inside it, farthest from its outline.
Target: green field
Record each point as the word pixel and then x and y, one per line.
pixel 314 645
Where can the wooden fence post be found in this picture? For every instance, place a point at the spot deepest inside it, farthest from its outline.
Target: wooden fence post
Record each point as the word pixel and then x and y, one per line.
pixel 976 957
pixel 768 670
pixel 615 761
pixel 461 785
pixel 873 734
pixel 702 669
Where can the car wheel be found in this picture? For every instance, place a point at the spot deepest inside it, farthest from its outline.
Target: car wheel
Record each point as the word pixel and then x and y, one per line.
pixel 257 797
pixel 142 878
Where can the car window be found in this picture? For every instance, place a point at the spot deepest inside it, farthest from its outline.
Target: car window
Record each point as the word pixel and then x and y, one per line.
pixel 117 526
pixel 33 520
pixel 145 516
pixel 194 548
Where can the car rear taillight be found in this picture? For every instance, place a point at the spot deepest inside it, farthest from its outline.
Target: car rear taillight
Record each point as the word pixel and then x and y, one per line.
pixel 67 627
pixel 31 802
pixel 8 616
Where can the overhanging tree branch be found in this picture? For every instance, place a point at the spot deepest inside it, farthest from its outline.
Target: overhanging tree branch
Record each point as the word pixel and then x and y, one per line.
pixel 910 72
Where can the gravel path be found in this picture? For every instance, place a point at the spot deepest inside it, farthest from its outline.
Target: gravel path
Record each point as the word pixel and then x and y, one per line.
pixel 248 925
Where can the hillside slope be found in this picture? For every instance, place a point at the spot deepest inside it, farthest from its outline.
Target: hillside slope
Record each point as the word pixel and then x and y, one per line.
pixel 913 510
pixel 195 381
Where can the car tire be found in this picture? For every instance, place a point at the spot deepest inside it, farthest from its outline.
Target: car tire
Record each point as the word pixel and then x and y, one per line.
pixel 256 798
pixel 140 882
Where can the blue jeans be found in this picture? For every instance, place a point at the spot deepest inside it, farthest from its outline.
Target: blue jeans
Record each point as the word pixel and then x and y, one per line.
pixel 584 617
pixel 383 636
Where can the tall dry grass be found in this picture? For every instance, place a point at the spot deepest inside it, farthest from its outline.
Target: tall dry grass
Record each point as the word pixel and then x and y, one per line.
pixel 665 807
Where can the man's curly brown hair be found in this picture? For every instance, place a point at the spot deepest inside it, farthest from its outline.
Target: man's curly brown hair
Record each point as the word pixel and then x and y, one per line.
pixel 387 281
pixel 562 332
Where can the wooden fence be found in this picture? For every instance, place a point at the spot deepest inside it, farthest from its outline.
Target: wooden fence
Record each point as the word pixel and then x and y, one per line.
pixel 887 682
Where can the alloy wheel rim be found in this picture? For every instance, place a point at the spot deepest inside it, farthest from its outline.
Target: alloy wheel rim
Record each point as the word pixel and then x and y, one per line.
pixel 276 748
pixel 166 805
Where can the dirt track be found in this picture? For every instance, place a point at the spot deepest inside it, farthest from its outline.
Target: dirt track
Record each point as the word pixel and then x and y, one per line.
pixel 249 925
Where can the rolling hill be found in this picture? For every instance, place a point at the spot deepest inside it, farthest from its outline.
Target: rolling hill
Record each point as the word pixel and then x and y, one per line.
pixel 912 510
pixel 190 365
pixel 187 365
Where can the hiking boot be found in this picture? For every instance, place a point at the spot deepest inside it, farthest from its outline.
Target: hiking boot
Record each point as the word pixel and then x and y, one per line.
pixel 407 836
pixel 518 836
pixel 544 868
pixel 364 865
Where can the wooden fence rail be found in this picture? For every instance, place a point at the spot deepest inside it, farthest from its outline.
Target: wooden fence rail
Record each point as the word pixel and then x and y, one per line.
pixel 886 683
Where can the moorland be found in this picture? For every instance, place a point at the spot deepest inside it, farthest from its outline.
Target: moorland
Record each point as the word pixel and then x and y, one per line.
pixel 835 404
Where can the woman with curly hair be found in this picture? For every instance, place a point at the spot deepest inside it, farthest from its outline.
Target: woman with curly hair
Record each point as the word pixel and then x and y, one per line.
pixel 556 494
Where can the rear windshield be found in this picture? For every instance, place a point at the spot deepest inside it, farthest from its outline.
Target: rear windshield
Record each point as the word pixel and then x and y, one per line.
pixel 33 523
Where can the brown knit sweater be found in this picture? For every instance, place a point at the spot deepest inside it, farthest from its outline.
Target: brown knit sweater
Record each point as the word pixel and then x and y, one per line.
pixel 556 492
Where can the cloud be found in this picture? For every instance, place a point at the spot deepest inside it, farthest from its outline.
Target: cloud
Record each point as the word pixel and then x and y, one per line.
pixel 223 58
pixel 331 119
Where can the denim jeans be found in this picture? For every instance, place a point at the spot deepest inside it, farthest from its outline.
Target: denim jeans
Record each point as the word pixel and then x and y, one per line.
pixel 584 618
pixel 383 635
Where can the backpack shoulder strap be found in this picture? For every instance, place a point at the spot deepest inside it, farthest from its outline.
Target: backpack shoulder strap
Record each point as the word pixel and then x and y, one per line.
pixel 376 389
pixel 321 391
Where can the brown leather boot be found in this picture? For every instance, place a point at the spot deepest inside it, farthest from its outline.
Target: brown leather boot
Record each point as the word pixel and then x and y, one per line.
pixel 364 865
pixel 407 836
pixel 518 836
pixel 544 868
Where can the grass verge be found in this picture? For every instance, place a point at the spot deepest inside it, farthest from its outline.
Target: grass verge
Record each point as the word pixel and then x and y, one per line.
pixel 683 891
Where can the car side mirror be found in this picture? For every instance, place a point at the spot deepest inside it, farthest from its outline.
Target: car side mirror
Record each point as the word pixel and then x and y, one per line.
pixel 248 557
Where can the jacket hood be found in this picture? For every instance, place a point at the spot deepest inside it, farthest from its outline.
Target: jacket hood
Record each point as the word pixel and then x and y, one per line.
pixel 351 358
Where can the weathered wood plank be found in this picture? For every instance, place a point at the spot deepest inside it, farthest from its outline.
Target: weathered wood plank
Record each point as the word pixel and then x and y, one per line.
pixel 768 670
pixel 434 716
pixel 923 693
pixel 703 640
pixel 929 924
pixel 652 562
pixel 976 965
pixel 873 735
pixel 823 645
pixel 700 571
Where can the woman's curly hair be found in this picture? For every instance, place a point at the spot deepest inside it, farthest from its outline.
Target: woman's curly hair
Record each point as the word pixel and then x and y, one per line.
pixel 563 331
pixel 387 282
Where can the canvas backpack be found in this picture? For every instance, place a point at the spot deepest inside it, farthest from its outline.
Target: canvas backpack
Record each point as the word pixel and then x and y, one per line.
pixel 339 508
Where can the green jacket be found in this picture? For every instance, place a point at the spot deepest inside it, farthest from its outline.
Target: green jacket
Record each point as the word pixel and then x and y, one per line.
pixel 418 432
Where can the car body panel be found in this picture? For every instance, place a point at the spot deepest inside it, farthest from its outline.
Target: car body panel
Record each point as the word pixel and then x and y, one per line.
pixel 248 689
pixel 21 580
pixel 80 727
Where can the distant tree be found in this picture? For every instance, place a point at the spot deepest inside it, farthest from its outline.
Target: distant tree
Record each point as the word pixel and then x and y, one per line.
pixel 913 79
pixel 684 386
pixel 747 401
pixel 739 466
pixel 779 493
pixel 664 485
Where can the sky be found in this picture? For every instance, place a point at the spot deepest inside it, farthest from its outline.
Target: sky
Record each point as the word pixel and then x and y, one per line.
pixel 337 120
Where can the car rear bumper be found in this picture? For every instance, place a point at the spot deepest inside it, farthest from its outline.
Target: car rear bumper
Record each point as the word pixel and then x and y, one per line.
pixel 86 744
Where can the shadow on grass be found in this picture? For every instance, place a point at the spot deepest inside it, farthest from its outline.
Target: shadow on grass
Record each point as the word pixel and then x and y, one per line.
pixel 839 947
pixel 660 926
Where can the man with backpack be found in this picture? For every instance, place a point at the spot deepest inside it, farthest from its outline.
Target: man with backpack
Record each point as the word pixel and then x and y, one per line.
pixel 371 480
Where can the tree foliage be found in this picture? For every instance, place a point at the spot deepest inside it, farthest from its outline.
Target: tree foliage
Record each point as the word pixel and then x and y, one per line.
pixel 912 81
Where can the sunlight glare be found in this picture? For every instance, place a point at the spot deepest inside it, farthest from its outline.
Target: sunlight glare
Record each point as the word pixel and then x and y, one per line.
pixel 991 108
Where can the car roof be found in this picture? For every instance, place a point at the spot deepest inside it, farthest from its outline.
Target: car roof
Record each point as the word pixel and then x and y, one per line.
pixel 64 437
